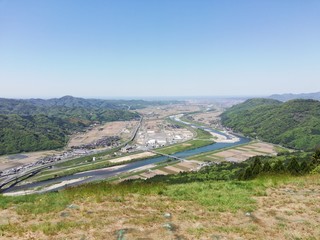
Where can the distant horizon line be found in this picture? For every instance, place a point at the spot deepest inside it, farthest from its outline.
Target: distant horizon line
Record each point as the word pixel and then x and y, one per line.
pixel 140 97
pixel 158 97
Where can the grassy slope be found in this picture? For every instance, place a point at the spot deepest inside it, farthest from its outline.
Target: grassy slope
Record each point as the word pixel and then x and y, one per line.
pixel 199 210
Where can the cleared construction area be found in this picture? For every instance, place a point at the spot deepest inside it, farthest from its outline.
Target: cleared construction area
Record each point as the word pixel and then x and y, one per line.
pixel 123 129
pixel 17 160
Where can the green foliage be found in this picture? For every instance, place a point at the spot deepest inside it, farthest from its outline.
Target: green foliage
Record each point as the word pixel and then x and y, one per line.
pixel 316 157
pixel 36 124
pixel 247 174
pixel 253 170
pixel 202 134
pixel 36 106
pixel 192 144
pixel 222 171
pixel 295 163
pixel 293 166
pixel 294 124
pixel 278 167
pixel 304 167
pixel 217 196
pixel 256 167
pixel 32 133
pixel 316 170
pixel 266 167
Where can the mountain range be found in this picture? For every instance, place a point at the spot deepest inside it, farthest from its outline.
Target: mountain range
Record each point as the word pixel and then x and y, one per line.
pixel 290 96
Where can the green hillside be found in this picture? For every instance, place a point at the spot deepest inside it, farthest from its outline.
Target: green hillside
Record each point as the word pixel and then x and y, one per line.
pixel 32 133
pixel 294 124
pixel 37 124
pixel 51 106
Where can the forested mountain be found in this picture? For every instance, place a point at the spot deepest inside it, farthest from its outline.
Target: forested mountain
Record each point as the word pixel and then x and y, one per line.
pixel 289 96
pixel 34 132
pixel 35 106
pixel 295 124
pixel 37 124
pixel 69 101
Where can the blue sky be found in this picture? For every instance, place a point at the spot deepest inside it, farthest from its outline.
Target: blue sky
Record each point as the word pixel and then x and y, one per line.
pixel 143 48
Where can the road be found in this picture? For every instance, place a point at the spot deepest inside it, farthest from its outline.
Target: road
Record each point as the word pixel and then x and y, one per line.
pixel 15 178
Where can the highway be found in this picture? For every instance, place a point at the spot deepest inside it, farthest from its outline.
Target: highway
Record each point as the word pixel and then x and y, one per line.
pixel 15 178
pixel 24 175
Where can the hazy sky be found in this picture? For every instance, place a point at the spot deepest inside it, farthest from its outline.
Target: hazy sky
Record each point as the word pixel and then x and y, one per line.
pixel 51 48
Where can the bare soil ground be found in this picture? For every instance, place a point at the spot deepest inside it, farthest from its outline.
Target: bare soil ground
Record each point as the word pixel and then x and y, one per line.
pixel 123 129
pixel 16 160
pixel 288 211
pixel 132 157
pixel 184 166
pixel 207 118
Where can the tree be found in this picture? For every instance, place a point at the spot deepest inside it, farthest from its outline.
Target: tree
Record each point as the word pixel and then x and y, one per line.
pixel 266 167
pixel 316 157
pixel 247 174
pixel 256 166
pixel 278 167
pixel 293 166
pixel 304 167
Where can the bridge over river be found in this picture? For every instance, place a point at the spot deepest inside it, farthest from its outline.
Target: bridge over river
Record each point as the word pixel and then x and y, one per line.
pixel 168 156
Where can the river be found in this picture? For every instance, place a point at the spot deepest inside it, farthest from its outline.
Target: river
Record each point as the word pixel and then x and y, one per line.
pixel 101 174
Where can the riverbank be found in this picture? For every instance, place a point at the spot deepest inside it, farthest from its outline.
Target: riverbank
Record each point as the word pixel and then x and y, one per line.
pixel 222 136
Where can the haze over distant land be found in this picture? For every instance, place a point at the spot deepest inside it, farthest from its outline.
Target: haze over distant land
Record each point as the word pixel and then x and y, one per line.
pixel 290 96
pixel 144 48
